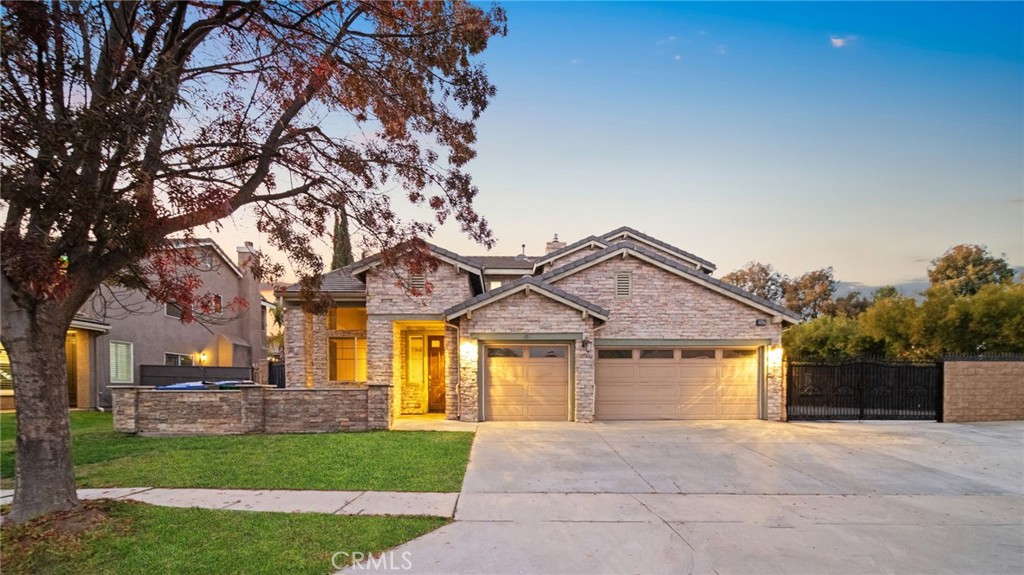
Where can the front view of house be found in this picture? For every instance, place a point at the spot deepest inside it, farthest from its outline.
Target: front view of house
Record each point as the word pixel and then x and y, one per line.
pixel 617 326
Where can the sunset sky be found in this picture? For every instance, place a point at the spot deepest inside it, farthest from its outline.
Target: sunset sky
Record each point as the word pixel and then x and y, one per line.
pixel 866 136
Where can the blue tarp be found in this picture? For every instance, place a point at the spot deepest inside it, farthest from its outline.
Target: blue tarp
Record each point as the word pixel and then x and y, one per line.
pixel 188 385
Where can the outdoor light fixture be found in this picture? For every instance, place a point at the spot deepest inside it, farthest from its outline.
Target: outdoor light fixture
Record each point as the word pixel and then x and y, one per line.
pixel 760 322
pixel 586 344
pixel 468 350
pixel 202 358
pixel 775 356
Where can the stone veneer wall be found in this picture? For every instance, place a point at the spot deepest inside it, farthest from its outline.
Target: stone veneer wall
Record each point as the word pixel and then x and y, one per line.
pixel 251 409
pixel 522 314
pixel 983 391
pixel 664 305
pixel 384 296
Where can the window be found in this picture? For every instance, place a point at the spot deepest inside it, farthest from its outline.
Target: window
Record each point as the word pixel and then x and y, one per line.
pixel 418 282
pixel 698 353
pixel 172 310
pixel 347 359
pixel 6 376
pixel 178 359
pixel 504 352
pixel 558 351
pixel 655 354
pixel 218 304
pixel 121 369
pixel 623 283
pixel 738 353
pixel 493 284
pixel 346 318
pixel 615 354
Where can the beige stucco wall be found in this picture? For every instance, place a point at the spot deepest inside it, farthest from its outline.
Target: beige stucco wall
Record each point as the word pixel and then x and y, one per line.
pixel 983 391
pixel 666 306
pixel 520 314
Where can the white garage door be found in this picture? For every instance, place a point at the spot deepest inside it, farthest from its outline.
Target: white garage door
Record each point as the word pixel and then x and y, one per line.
pixel 676 384
pixel 526 383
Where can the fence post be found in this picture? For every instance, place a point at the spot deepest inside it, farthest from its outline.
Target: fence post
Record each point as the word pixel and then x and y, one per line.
pixel 940 391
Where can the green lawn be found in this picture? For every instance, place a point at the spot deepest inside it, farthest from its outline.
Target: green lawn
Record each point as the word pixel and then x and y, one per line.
pixel 378 461
pixel 129 538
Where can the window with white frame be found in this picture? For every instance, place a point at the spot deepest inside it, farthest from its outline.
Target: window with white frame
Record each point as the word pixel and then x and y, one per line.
pixel 623 283
pixel 121 362
pixel 178 359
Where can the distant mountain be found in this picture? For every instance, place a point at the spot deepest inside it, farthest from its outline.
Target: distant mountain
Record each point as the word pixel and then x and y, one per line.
pixel 910 288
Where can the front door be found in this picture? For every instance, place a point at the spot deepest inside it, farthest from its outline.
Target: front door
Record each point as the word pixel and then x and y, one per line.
pixel 435 371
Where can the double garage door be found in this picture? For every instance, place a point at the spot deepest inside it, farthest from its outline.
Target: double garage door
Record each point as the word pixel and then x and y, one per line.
pixel 677 384
pixel 531 383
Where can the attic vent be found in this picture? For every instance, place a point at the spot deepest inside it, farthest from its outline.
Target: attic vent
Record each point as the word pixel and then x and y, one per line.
pixel 418 282
pixel 623 283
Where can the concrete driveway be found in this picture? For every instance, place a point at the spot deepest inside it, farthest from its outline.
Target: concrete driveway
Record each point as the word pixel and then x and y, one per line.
pixel 736 497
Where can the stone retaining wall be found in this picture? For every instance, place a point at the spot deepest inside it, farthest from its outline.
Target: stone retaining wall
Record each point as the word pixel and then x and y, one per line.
pixel 983 391
pixel 251 409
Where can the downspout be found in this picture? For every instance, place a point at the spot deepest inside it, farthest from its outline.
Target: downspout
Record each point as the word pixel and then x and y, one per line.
pixel 94 371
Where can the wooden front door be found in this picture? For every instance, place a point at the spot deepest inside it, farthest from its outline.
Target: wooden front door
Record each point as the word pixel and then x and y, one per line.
pixel 435 371
pixel 71 366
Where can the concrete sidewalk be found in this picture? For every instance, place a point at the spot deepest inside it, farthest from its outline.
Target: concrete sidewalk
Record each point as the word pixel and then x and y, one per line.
pixel 331 502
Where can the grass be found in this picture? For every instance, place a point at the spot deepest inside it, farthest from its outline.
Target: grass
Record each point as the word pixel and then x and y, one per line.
pixel 128 538
pixel 377 461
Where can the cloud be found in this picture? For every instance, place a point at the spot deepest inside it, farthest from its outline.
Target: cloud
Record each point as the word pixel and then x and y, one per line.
pixel 666 41
pixel 721 49
pixel 842 41
pixel 677 57
pixel 575 61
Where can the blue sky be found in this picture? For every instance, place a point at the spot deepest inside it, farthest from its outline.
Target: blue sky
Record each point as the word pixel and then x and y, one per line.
pixel 866 136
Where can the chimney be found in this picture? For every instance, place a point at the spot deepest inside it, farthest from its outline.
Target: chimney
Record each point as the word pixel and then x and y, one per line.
pixel 245 255
pixel 554 245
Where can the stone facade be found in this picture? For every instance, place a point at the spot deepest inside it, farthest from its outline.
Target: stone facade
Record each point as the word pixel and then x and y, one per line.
pixel 666 306
pixel 535 314
pixel 385 295
pixel 251 409
pixel 983 391
pixel 569 258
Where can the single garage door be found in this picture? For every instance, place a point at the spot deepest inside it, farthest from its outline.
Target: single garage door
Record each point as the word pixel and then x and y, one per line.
pixel 526 383
pixel 676 384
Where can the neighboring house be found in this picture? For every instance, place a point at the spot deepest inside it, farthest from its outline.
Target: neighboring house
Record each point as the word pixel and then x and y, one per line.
pixel 617 326
pixel 118 330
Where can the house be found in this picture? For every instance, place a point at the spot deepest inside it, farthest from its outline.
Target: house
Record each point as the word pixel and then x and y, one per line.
pixel 118 330
pixel 616 326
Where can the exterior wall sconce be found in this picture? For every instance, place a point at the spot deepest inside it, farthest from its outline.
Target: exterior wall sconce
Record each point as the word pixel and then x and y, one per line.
pixel 760 322
pixel 586 344
pixel 468 350
pixel 774 356
pixel 202 358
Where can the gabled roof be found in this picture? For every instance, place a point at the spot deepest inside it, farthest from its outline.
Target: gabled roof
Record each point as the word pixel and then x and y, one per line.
pixel 672 266
pixel 530 283
pixel 627 232
pixel 438 252
pixel 587 242
pixel 504 262
pixel 182 243
pixel 340 280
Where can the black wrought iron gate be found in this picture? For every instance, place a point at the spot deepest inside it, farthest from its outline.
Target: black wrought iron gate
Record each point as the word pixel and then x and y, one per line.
pixel 864 389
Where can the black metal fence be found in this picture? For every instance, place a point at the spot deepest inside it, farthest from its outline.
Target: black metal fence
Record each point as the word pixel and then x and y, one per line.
pixel 864 389
pixel 171 374
pixel 275 375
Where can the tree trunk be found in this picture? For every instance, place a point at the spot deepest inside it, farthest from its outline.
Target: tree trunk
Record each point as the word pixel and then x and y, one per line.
pixel 44 473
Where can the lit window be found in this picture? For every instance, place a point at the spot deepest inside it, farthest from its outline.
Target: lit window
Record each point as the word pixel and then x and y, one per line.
pixel 178 359
pixel 346 318
pixel 623 283
pixel 218 305
pixel 121 362
pixel 347 359
pixel 493 284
